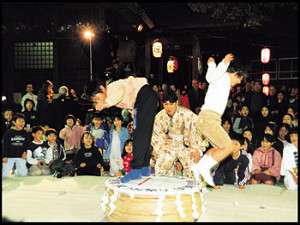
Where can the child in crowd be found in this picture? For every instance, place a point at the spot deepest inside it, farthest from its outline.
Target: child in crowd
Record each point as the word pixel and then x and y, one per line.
pixel 127 157
pixel 7 120
pixel 251 140
pixel 71 136
pixel 289 163
pixel 88 160
pixel 101 135
pixel 14 144
pixel 30 114
pixel 118 136
pixel 233 169
pixel 243 121
pixel 266 162
pixel 262 120
pixel 38 156
pixel 56 154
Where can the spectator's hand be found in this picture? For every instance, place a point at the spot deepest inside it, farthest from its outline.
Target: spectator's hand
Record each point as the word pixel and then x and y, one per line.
pixel 295 176
pixel 210 59
pixel 195 156
pixel 82 165
pixel 24 155
pixel 228 58
pixel 4 160
pixel 119 174
pixel 99 166
pixel 256 171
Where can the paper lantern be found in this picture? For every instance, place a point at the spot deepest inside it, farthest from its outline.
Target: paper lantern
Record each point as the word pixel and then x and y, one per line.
pixel 157 49
pixel 266 90
pixel 265 55
pixel 172 64
pixel 265 79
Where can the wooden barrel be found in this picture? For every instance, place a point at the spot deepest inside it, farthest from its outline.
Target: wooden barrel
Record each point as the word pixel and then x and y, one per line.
pixel 152 199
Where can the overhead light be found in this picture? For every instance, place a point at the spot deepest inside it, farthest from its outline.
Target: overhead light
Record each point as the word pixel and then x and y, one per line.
pixel 140 27
pixel 3 98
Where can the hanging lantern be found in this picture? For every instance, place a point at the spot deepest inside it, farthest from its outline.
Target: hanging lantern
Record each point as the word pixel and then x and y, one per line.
pixel 157 49
pixel 266 90
pixel 170 66
pixel 265 79
pixel 265 55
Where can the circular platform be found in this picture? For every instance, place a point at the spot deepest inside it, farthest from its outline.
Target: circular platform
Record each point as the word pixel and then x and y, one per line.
pixel 152 199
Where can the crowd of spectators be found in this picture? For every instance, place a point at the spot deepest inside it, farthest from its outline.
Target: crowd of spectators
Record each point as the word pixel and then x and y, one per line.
pixel 56 133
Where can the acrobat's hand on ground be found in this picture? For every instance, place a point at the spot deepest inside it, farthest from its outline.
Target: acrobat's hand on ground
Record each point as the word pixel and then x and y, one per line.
pixel 228 58
pixel 210 59
pixel 217 187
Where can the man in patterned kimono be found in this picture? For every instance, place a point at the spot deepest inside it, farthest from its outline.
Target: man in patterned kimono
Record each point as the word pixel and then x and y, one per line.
pixel 174 138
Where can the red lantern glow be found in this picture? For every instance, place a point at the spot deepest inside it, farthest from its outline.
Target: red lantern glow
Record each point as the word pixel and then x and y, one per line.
pixel 266 90
pixel 172 64
pixel 265 55
pixel 265 79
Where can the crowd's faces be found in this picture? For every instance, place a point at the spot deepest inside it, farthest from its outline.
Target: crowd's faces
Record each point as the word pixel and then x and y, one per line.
pixel 294 139
pixel 248 87
pixel 280 96
pixel 248 134
pixel 294 92
pixel 272 90
pixel 291 111
pixel 170 108
pixel 130 127
pixel 257 87
pixel 51 138
pixel 97 122
pixel 29 88
pixel 244 111
pixel 244 146
pixel 266 145
pixel 117 122
pixel 8 115
pixel 128 148
pixel 29 105
pixel 287 119
pixel 236 146
pixel 73 92
pixel 282 132
pixel 70 122
pixel 173 88
pixel 268 130
pixel 155 88
pixel 19 124
pixel 38 136
pixel 226 125
pixel 264 111
pixel 87 140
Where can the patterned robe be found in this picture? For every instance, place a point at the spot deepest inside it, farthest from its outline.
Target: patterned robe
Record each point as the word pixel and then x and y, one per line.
pixel 172 140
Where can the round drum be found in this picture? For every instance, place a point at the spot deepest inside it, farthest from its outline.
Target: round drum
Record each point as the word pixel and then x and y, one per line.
pixel 152 199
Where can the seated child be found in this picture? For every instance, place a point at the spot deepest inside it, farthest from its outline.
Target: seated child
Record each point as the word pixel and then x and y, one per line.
pixel 266 162
pixel 38 157
pixel 289 163
pixel 88 159
pixel 232 169
pixel 127 157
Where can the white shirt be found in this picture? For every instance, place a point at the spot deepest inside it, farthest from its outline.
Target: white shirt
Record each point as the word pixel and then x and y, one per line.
pixel 33 97
pixel 218 89
pixel 288 159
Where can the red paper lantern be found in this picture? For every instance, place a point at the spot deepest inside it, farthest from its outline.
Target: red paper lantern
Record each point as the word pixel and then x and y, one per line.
pixel 265 55
pixel 172 64
pixel 266 90
pixel 265 79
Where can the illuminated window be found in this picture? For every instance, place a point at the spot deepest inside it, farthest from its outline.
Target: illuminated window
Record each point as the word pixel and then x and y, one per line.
pixel 33 55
